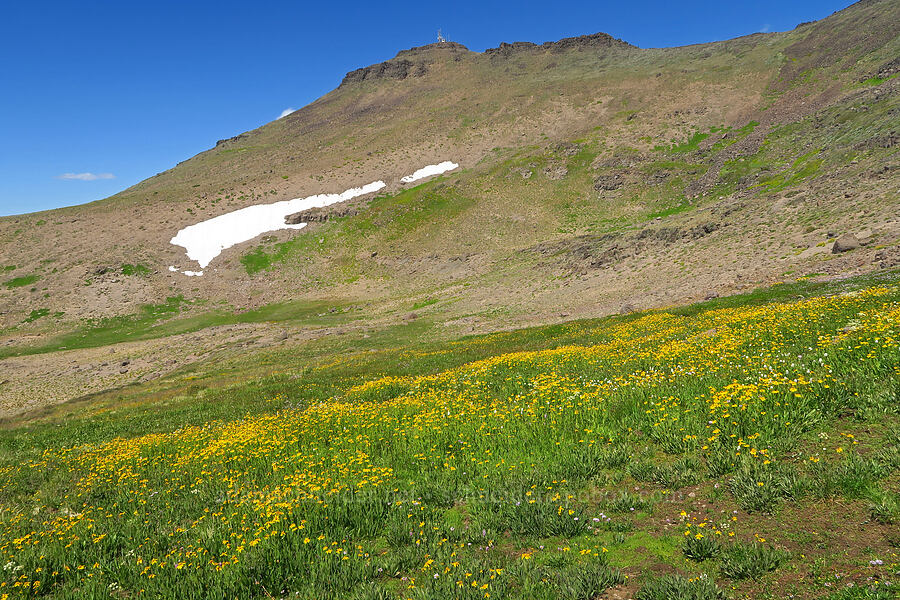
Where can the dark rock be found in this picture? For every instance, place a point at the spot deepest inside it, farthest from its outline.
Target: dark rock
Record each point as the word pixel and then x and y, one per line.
pixel 608 182
pixel 232 139
pixel 626 309
pixel 844 243
pixel 555 173
pixel 568 148
pixel 506 49
pixel 454 47
pixel 391 69
pixel 321 214
pixel 593 41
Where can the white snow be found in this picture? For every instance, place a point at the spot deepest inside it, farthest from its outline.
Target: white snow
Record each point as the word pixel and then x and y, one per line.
pixel 205 240
pixel 430 170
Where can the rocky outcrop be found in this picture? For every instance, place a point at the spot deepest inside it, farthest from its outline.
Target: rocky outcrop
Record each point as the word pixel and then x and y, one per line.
pixel 392 69
pixel 593 41
pixel 555 172
pixel 453 47
pixel 608 182
pixel 236 138
pixel 322 213
pixel 599 251
pixel 408 63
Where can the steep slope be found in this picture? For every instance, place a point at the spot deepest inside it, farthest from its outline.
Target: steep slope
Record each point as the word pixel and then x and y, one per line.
pixel 594 175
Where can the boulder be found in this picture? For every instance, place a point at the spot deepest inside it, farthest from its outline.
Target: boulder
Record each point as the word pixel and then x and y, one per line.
pixel 608 182
pixel 555 173
pixel 844 243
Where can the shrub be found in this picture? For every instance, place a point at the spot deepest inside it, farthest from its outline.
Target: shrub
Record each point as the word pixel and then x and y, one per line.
pixel 584 582
pixel 676 587
pixel 371 591
pixel 878 591
pixel 885 509
pixel 853 477
pixel 759 488
pixel 536 518
pixel 720 463
pixel 628 502
pixel 679 474
pixel 750 561
pixel 135 270
pixel 701 548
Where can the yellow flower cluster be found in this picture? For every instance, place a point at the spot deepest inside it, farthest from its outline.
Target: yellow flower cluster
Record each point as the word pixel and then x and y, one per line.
pixel 202 498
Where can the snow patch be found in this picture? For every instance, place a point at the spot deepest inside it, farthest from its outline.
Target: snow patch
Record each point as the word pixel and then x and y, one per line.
pixel 206 240
pixel 430 170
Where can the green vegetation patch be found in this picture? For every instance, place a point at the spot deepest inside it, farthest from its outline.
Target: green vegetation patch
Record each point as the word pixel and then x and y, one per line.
pixel 257 260
pixel 803 168
pixel 37 314
pixel 22 281
pixel 138 270
pixel 689 145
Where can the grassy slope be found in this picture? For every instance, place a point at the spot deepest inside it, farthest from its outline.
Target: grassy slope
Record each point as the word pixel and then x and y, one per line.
pixel 622 403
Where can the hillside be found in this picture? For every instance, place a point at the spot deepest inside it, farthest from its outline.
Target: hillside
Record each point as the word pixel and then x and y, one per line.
pixel 565 320
pixel 594 177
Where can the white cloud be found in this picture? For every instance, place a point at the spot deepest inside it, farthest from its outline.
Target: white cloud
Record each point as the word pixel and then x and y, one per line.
pixel 85 176
pixel 286 112
pixel 765 28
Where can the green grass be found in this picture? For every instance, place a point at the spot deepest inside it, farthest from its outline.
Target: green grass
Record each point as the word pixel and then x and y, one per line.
pixel 22 281
pixel 751 560
pixel 37 314
pixel 138 270
pixel 257 260
pixel 877 80
pixel 177 316
pixel 804 167
pixel 689 145
pixel 512 471
pixel 676 587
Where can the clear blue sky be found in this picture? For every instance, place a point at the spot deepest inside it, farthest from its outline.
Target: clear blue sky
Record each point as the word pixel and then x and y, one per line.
pixel 122 90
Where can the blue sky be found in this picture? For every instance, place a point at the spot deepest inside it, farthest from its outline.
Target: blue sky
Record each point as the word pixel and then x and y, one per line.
pixel 96 96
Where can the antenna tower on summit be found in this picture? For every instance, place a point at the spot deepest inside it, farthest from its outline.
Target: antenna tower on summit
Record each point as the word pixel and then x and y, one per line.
pixel 441 38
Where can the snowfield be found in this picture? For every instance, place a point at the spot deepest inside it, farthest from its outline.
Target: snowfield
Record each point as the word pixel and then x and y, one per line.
pixel 430 170
pixel 207 239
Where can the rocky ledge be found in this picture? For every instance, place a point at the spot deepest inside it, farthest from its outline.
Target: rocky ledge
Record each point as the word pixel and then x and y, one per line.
pixel 408 63
pixel 595 40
